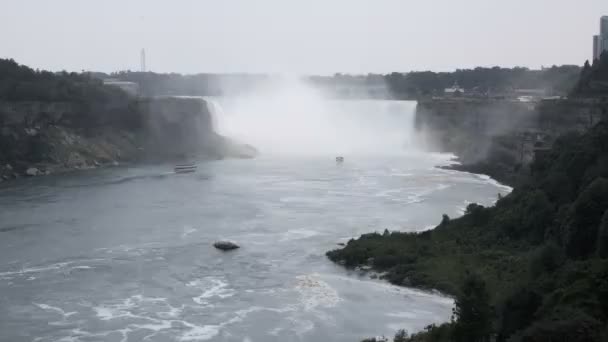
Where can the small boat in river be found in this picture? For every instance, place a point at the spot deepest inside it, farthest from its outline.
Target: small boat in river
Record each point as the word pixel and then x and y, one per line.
pixel 339 159
pixel 184 168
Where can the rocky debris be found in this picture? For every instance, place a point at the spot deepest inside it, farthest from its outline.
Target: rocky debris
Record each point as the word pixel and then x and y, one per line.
pixel 225 245
pixel 32 172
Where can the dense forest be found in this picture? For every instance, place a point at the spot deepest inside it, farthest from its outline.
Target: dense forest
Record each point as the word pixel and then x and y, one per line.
pixel 558 80
pixel 594 78
pixel 21 83
pixel 97 104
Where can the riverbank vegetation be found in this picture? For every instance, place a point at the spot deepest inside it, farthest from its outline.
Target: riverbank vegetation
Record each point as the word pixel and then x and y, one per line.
pixel 538 258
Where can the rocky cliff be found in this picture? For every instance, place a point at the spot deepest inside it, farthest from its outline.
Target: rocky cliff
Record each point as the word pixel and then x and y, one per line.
pixel 500 137
pixel 45 137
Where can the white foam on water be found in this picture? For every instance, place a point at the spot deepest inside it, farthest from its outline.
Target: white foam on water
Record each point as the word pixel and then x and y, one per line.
pixel 82 268
pixel 463 209
pixel 199 333
pixel 156 327
pixel 403 314
pixel 38 269
pixel 187 231
pixel 298 234
pixel 55 309
pixel 212 287
pixel 433 297
pixel 315 293
pixel 46 268
pixel 301 326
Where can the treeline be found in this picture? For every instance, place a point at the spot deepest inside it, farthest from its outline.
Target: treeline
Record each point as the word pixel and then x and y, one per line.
pixel 96 103
pixel 532 268
pixel 594 78
pixel 558 80
pixel 157 84
pixel 21 83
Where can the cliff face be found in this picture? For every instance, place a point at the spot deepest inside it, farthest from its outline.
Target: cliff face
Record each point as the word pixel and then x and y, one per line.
pixel 499 137
pixel 45 137
pixel 467 126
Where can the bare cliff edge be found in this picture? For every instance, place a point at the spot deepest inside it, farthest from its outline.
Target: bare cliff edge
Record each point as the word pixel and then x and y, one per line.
pixel 501 137
pixel 47 137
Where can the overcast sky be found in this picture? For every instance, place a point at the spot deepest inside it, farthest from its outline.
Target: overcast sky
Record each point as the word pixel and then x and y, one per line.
pixel 305 36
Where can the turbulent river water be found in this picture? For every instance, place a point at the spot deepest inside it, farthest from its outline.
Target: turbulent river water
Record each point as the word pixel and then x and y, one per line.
pixel 125 254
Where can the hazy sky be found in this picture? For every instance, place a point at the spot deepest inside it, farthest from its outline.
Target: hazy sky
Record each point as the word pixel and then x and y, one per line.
pixel 305 36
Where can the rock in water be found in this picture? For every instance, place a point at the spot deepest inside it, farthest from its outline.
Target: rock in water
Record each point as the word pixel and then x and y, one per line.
pixel 32 171
pixel 225 245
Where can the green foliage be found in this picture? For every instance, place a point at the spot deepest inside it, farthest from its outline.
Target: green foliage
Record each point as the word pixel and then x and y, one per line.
pixel 517 311
pixel 602 237
pixel 581 228
pixel 21 83
pixel 472 311
pixel 484 80
pixel 546 259
pixel 539 253
pixel 593 79
pixel 559 79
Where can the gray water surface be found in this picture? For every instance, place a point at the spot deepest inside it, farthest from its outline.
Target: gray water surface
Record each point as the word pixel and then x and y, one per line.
pixel 125 254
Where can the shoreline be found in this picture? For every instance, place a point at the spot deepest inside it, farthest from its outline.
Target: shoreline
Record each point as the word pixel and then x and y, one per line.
pixel 373 272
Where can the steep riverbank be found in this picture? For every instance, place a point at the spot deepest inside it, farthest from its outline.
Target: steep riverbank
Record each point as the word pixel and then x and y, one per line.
pixel 38 138
pixel 56 122
pixel 539 256
pixel 500 138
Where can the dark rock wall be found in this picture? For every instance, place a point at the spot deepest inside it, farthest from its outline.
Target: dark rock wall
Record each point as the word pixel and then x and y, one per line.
pixel 55 137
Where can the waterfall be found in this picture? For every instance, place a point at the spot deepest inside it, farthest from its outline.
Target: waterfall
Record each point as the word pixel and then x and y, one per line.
pixel 296 119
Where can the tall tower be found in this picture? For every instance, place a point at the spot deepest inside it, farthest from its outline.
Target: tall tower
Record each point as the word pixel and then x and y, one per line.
pixel 143 60
pixel 604 25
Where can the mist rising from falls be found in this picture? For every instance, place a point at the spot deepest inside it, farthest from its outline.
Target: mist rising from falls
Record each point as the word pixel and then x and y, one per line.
pixel 293 118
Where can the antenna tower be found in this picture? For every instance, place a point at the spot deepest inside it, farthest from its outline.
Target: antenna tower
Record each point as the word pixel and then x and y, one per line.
pixel 143 60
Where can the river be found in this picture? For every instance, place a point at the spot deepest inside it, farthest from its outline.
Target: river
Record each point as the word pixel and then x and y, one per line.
pixel 125 253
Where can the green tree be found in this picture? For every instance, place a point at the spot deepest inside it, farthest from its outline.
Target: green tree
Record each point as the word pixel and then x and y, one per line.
pixel 472 312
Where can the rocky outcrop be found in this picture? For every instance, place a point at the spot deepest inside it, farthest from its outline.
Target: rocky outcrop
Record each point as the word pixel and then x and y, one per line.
pixel 177 127
pixel 225 245
pixel 57 137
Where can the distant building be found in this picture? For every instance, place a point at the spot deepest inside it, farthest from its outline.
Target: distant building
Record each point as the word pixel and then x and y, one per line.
pixel 455 90
pixel 131 88
pixel 600 42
